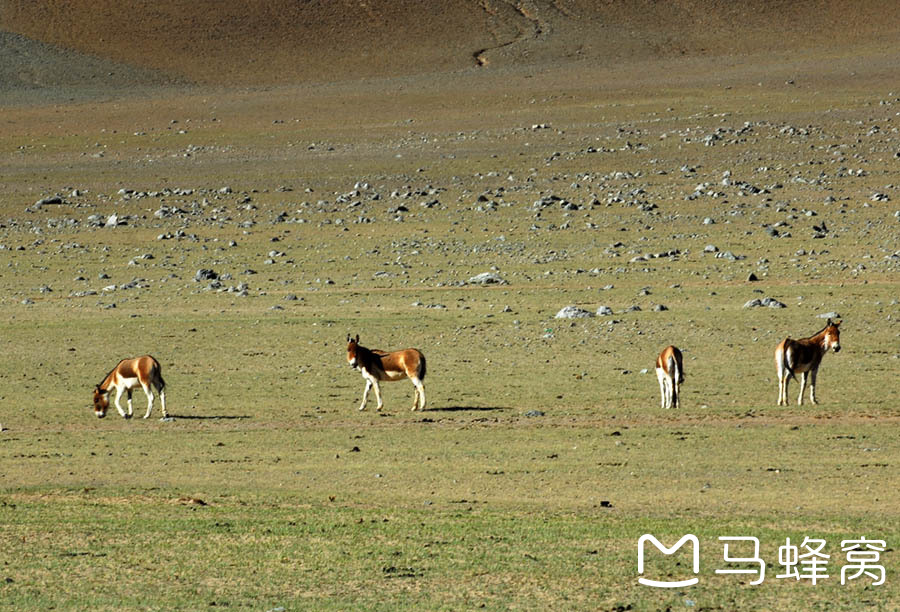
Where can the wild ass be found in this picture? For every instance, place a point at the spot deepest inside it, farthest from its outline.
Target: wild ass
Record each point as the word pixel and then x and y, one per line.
pixel 670 374
pixel 376 365
pixel 804 356
pixel 128 374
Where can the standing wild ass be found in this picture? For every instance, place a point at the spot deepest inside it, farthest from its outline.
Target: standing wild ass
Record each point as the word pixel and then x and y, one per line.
pixel 804 356
pixel 377 365
pixel 670 373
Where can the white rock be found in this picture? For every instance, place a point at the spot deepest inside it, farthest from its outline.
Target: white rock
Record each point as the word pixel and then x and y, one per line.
pixel 573 312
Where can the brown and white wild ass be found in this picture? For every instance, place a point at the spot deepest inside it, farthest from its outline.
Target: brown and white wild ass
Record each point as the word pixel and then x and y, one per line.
pixel 804 356
pixel 670 373
pixel 128 374
pixel 376 365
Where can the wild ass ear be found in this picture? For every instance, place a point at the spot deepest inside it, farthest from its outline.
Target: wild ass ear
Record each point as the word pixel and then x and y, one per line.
pixel 357 338
pixel 348 337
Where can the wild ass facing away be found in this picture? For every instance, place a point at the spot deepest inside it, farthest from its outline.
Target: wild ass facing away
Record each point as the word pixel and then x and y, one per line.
pixel 670 374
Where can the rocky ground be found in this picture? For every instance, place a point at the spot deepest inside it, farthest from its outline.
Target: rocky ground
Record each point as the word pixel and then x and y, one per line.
pixel 538 195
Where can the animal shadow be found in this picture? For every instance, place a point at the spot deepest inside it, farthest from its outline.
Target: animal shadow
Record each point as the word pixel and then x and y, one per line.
pixel 466 408
pixel 198 417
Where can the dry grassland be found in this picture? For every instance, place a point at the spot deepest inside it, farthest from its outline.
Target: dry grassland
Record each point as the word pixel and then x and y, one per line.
pixel 367 206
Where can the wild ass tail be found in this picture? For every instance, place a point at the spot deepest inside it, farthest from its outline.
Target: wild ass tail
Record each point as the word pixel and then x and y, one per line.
pixel 675 372
pixel 160 383
pixel 421 371
pixel 786 360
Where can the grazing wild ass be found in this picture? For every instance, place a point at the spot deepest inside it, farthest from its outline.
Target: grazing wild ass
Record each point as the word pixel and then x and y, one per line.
pixel 670 373
pixel 804 356
pixel 128 374
pixel 377 365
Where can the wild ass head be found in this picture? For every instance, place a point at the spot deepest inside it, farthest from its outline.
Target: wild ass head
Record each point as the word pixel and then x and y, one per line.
pixel 832 341
pixel 101 402
pixel 352 347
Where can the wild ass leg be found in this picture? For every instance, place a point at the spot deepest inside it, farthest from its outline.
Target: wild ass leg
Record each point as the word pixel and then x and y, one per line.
pixel 662 387
pixel 149 393
pixel 119 391
pixel 784 381
pixel 162 400
pixel 378 395
pixel 802 388
pixel 676 387
pixel 780 376
pixel 783 373
pixel 812 386
pixel 365 394
pixel 419 397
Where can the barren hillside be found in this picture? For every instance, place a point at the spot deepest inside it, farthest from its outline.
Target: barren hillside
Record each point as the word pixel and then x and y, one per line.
pixel 226 42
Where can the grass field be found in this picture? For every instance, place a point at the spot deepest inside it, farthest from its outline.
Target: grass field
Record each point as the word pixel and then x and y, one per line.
pixel 544 454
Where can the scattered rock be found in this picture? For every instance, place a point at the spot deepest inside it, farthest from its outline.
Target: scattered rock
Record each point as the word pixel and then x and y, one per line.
pixel 765 302
pixel 204 274
pixel 487 278
pixel 573 312
pixel 48 200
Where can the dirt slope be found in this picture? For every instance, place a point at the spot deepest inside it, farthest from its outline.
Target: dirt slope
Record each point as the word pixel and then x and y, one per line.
pixel 229 42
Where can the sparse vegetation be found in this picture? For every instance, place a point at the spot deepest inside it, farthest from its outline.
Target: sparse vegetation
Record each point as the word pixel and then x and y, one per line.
pixel 254 230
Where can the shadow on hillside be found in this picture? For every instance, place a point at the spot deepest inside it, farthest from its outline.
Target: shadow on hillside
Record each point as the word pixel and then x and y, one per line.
pixel 466 408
